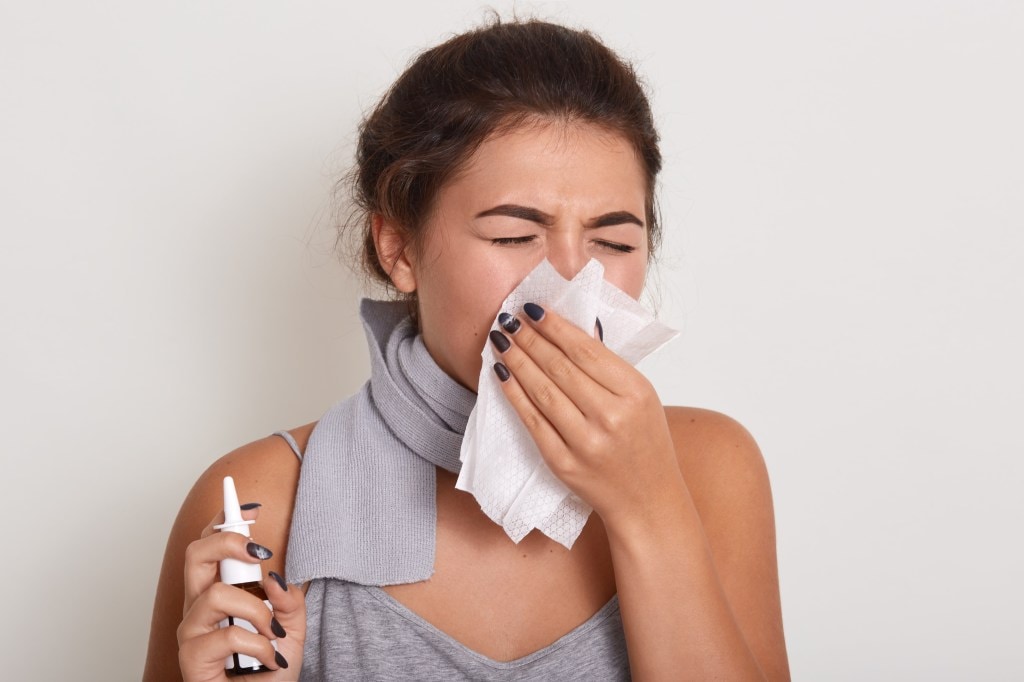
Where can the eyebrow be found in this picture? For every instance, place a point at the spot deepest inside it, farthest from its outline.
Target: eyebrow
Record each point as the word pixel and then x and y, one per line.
pixel 541 218
pixel 615 218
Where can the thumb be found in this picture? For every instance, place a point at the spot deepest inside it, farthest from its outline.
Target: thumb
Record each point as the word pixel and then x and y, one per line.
pixel 289 604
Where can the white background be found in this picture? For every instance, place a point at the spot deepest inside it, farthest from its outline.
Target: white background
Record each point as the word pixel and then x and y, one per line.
pixel 843 212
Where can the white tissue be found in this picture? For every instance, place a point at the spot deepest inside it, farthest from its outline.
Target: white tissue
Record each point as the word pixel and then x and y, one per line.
pixel 501 465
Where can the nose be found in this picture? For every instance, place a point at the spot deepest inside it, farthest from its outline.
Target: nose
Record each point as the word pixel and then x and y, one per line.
pixel 567 253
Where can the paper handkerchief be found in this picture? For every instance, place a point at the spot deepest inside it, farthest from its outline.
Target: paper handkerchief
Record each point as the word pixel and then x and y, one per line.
pixel 501 465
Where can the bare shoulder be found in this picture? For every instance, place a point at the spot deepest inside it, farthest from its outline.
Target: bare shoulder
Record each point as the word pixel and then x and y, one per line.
pixel 726 475
pixel 717 455
pixel 728 481
pixel 265 471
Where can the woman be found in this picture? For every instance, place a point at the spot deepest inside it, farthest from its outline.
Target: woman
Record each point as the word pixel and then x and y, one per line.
pixel 501 147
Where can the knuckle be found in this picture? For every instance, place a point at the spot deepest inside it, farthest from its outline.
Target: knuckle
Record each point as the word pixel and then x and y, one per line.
pixel 218 595
pixel 528 341
pixel 611 421
pixel 235 637
pixel 585 352
pixel 641 389
pixel 179 633
pixel 515 362
pixel 561 367
pixel 558 465
pixel 544 396
pixel 563 466
pixel 593 443
pixel 532 421
pixel 187 653
pixel 190 552
pixel 219 591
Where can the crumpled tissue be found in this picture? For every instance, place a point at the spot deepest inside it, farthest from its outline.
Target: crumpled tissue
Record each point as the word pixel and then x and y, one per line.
pixel 501 465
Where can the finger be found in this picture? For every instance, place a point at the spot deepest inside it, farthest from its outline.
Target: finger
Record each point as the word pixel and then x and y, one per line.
pixel 222 601
pixel 546 395
pixel 250 512
pixel 550 443
pixel 213 647
pixel 286 598
pixel 589 354
pixel 290 610
pixel 288 601
pixel 202 560
pixel 586 394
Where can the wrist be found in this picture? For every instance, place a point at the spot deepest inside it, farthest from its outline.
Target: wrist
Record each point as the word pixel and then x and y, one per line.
pixel 661 512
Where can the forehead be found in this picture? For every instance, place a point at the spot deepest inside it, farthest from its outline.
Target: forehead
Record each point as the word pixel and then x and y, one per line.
pixel 565 159
pixel 550 141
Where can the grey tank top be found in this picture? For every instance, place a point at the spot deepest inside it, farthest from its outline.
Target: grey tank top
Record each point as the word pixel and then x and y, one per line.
pixel 360 632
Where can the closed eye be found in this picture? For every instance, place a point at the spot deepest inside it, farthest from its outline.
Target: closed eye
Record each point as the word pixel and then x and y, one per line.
pixel 508 241
pixel 615 246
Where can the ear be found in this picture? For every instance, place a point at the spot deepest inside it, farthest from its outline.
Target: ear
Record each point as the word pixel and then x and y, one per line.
pixel 394 253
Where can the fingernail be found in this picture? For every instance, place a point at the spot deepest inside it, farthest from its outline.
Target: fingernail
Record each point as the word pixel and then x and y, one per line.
pixel 276 628
pixel 502 372
pixel 509 323
pixel 500 341
pixel 250 505
pixel 533 311
pixel 281 661
pixel 279 579
pixel 258 551
pixel 600 329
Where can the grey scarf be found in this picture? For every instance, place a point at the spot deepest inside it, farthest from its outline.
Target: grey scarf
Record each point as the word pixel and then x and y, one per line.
pixel 366 508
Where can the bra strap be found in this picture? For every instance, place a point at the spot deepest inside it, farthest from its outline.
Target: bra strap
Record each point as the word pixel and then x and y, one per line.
pixel 291 443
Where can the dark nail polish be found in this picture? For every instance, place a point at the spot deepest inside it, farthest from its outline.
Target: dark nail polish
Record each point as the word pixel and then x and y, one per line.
pixel 249 505
pixel 276 628
pixel 281 661
pixel 502 372
pixel 600 329
pixel 500 341
pixel 508 323
pixel 533 311
pixel 279 579
pixel 258 551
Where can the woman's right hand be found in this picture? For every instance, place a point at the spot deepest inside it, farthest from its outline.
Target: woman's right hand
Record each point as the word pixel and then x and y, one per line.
pixel 203 645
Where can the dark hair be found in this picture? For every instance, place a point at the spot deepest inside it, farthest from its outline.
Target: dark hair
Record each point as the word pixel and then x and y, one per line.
pixel 457 95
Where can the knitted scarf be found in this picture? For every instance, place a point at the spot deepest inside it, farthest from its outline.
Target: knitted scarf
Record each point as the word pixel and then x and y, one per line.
pixel 366 509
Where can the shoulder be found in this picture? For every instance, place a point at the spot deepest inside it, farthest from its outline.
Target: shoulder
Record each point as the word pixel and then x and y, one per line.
pixel 722 465
pixel 265 471
pixel 707 442
pixel 267 464
pixel 728 482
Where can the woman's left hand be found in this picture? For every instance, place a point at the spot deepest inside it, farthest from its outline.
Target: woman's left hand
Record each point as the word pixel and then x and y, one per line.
pixel 597 421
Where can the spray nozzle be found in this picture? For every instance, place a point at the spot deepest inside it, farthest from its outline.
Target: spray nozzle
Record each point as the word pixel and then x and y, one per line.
pixel 233 520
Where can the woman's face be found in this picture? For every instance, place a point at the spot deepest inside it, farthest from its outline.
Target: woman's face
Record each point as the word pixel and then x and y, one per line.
pixel 565 191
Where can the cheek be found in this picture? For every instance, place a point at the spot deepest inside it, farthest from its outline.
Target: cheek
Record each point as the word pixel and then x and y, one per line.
pixel 629 276
pixel 492 276
pixel 466 296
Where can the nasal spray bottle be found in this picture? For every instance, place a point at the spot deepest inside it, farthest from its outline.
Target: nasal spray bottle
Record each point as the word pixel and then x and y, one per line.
pixel 246 576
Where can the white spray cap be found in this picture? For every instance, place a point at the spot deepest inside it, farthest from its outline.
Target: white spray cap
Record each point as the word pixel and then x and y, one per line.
pixel 234 571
